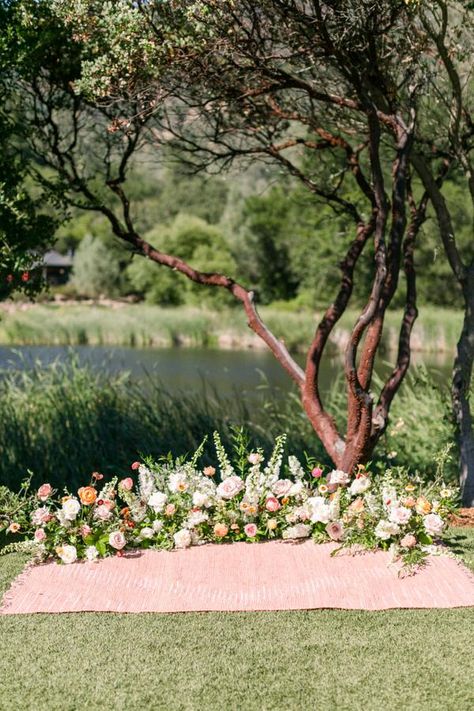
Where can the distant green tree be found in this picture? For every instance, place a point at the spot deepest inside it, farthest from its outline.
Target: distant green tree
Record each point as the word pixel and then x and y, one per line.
pixel 194 240
pixel 95 272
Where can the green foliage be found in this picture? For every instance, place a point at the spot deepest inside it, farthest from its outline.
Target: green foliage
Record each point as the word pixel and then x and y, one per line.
pixel 201 245
pixel 95 271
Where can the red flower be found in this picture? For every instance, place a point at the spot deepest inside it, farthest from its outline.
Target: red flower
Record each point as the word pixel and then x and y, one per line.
pixel 25 276
pixel 135 466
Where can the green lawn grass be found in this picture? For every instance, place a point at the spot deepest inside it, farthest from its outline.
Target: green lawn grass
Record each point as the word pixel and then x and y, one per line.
pixel 321 659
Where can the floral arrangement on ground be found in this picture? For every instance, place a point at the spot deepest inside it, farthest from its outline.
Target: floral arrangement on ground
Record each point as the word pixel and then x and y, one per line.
pixel 173 503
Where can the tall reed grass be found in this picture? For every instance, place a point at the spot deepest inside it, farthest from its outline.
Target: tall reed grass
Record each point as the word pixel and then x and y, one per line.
pixel 63 422
pixel 142 325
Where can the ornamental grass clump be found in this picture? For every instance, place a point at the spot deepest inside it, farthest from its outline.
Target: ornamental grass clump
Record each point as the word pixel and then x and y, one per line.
pixel 175 504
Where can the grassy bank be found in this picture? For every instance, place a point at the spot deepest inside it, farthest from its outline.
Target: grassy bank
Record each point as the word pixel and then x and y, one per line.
pixel 321 659
pixel 64 421
pixel 141 325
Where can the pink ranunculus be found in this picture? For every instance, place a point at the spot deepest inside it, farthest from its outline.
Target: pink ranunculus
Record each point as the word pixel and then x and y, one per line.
pixel 408 541
pixel 117 540
pixel 317 472
pixel 126 484
pixel 44 492
pixel 272 504
pixel 250 530
pixel 85 530
pixel 40 535
pixel 135 466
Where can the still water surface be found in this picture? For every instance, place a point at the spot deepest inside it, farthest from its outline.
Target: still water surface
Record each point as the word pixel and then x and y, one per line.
pixel 194 369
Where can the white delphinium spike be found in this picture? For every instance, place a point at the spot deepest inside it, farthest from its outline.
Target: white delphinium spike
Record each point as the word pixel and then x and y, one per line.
pixel 224 462
pixel 146 483
pixel 295 467
pixel 272 470
pixel 106 490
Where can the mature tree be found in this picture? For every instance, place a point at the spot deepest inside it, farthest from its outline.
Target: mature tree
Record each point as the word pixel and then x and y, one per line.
pixel 293 83
pixel 372 83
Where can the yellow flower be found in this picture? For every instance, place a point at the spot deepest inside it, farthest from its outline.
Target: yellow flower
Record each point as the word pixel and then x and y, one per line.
pixel 423 506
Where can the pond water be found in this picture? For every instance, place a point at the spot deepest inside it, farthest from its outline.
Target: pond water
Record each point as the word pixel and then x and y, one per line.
pixel 194 369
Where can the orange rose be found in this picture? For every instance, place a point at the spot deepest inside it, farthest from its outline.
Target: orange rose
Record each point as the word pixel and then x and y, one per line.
pixel 87 495
pixel 423 506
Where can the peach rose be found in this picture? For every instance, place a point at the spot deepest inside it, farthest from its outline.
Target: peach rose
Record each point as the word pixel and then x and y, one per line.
pixel 220 530
pixel 126 484
pixel 408 541
pixel 209 471
pixel 44 492
pixel 87 495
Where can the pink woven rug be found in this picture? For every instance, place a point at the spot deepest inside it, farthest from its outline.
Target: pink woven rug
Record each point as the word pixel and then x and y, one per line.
pixel 240 576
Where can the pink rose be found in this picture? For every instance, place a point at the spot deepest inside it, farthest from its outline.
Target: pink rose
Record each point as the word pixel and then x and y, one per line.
pixel 117 540
pixel 40 516
pixel 282 487
pixel 102 512
pixel 272 504
pixel 126 484
pixel 40 535
pixel 44 492
pixel 317 472
pixel 408 541
pixel 85 530
pixel 335 530
pixel 170 509
pixel 250 530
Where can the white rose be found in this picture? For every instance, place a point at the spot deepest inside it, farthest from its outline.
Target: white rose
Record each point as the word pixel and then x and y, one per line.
pixel 201 499
pixel 301 530
pixel 147 532
pixel 320 510
pixel 433 524
pixel 157 501
pixel 91 553
pixel 296 488
pixel 71 508
pixel 337 476
pixel 386 529
pixel 230 487
pixel 182 539
pixel 359 486
pixel 157 526
pixel 195 518
pixel 68 554
pixel 282 487
pixel 400 514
